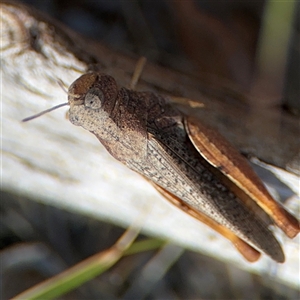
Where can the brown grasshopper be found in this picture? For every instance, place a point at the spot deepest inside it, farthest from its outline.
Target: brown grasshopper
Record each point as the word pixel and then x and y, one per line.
pixel 192 165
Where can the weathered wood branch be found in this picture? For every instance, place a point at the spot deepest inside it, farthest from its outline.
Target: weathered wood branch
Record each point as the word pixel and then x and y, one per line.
pixel 52 160
pixel 33 41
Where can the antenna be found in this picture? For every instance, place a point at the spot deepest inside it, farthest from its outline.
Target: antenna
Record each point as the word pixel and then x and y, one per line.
pixel 44 112
pixel 62 85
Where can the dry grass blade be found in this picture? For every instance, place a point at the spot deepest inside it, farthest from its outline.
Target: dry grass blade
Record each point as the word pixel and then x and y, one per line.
pixel 82 272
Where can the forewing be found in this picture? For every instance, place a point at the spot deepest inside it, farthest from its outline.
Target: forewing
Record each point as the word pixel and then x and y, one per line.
pixel 205 193
pixel 220 154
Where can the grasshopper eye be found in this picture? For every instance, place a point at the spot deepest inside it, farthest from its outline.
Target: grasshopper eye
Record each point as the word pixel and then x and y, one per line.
pixel 94 98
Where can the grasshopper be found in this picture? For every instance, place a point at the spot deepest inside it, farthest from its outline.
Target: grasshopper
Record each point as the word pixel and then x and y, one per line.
pixel 190 164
